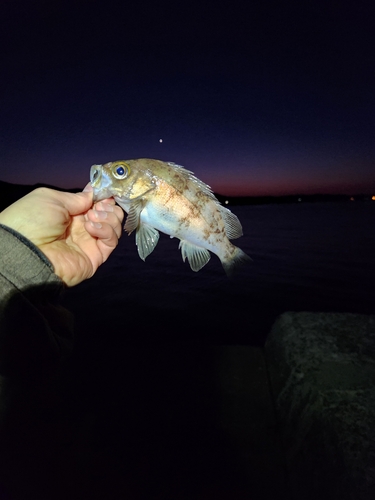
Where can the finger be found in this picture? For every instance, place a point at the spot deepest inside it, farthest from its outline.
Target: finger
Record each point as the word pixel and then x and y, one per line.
pixel 107 239
pixel 104 205
pixel 119 214
pixel 110 218
pixel 108 201
pixel 109 206
pixel 88 188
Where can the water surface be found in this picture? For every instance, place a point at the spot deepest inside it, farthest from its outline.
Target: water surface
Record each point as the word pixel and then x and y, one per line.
pixel 306 257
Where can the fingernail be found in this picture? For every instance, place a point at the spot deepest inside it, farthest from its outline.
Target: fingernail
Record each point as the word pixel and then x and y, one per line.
pixel 88 188
pixel 100 214
pixel 96 224
pixel 107 207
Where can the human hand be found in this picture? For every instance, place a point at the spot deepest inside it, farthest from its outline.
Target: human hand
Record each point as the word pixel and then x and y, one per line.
pixel 76 236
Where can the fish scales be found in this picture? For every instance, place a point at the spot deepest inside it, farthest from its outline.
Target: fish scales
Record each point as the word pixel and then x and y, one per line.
pixel 184 219
pixel 161 196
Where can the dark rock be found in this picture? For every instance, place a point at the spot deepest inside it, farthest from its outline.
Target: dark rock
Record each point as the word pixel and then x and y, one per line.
pixel 322 373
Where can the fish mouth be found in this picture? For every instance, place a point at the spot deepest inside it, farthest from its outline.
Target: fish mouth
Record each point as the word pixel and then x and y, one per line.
pixel 95 175
pixel 100 183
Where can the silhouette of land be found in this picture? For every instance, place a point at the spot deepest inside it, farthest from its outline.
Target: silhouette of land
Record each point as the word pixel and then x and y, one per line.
pixel 9 193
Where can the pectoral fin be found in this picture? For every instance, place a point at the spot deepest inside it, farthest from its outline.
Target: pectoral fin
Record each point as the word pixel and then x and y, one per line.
pixel 132 220
pixel 197 257
pixel 146 239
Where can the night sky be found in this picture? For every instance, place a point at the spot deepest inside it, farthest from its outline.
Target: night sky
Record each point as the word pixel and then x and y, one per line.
pixel 257 98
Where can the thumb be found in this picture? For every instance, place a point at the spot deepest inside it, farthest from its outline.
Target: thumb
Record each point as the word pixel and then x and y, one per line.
pixel 77 203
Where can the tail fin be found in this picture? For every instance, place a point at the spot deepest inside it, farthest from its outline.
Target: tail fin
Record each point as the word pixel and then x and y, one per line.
pixel 238 259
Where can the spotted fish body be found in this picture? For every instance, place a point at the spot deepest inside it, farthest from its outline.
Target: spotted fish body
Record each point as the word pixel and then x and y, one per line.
pixel 160 196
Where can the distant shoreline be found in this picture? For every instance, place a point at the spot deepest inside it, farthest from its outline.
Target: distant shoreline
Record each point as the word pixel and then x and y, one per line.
pixel 296 198
pixel 9 193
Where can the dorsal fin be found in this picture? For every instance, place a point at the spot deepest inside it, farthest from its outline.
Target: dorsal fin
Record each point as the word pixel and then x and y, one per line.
pixel 192 178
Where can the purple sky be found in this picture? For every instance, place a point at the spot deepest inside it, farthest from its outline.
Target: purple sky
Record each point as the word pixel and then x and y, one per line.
pixel 268 99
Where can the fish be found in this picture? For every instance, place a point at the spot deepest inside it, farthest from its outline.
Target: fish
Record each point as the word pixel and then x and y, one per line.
pixel 166 197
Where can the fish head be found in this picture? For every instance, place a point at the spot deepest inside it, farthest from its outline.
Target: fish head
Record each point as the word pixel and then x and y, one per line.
pixel 121 180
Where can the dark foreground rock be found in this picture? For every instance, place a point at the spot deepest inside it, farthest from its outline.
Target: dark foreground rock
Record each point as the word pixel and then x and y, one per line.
pixel 322 373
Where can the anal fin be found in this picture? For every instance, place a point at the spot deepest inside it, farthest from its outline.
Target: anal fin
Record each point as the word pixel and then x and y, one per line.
pixel 197 257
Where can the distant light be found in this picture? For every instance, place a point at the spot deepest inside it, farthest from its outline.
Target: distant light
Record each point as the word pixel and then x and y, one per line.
pixel 226 201
pixel 160 140
pixel 373 198
pixel 299 199
pixel 351 198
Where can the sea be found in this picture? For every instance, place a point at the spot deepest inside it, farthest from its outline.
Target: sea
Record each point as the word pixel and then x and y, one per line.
pixel 305 257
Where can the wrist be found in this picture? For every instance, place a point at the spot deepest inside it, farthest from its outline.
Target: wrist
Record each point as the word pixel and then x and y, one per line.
pixel 28 243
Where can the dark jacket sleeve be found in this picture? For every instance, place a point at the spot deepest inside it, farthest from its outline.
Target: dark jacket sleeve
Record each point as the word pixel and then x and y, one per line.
pixel 35 331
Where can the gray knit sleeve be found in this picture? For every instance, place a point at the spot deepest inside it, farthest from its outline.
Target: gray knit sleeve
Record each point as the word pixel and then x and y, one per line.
pixel 35 331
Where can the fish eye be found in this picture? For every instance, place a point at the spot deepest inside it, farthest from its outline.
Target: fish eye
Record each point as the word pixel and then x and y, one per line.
pixel 120 172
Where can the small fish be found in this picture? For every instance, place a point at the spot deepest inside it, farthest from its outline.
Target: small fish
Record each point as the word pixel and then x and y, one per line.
pixel 161 196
